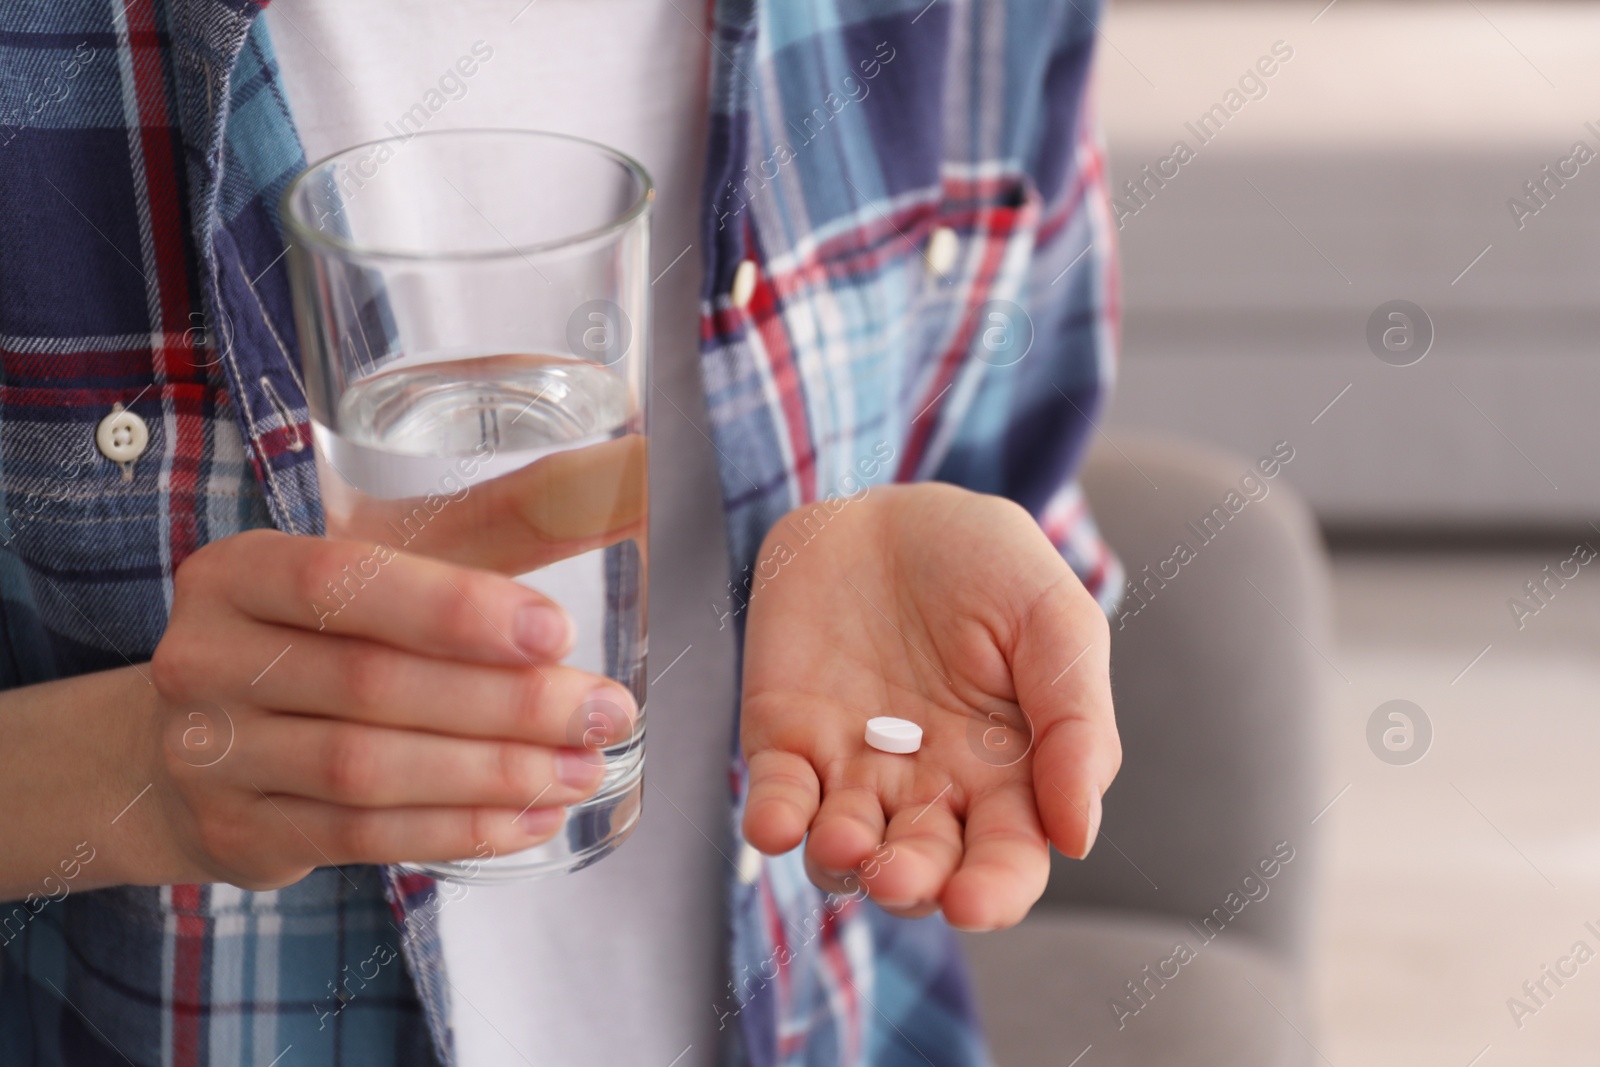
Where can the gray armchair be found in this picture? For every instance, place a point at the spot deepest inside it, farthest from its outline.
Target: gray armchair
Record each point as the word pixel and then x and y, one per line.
pixel 1182 940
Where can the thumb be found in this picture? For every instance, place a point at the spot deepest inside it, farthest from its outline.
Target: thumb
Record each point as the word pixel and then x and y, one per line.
pixel 1061 667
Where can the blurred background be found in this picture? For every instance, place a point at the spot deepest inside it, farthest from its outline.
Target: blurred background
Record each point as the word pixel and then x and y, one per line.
pixel 1384 160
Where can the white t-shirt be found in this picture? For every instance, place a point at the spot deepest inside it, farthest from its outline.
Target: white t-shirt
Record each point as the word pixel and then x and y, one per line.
pixel 620 963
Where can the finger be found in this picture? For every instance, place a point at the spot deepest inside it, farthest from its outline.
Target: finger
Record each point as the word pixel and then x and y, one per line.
pixel 345 677
pixel 1062 668
pixel 368 590
pixel 782 800
pixel 842 883
pixel 924 849
pixel 318 834
pixel 1069 766
pixel 557 507
pixel 375 767
pixel 915 911
pixel 1005 865
pixel 848 827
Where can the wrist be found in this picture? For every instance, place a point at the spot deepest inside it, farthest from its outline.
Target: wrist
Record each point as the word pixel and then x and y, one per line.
pixel 66 757
pixel 139 814
pixel 79 788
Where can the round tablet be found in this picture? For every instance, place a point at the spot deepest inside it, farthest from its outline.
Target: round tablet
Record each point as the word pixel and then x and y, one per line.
pixel 889 734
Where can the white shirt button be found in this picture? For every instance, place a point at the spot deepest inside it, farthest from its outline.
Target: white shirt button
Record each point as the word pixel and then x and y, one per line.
pixel 941 251
pixel 744 284
pixel 122 436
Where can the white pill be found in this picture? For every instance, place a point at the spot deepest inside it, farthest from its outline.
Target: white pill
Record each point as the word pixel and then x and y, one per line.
pixel 889 734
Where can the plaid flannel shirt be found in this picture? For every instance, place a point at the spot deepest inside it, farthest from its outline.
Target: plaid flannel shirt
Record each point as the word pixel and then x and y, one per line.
pixel 143 145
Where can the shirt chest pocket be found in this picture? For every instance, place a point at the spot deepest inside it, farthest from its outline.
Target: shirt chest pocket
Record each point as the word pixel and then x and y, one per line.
pixel 895 324
pixel 98 507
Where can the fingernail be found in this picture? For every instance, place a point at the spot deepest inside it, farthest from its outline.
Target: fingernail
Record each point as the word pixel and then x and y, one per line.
pixel 970 929
pixel 541 822
pixel 1094 822
pixel 542 630
pixel 578 768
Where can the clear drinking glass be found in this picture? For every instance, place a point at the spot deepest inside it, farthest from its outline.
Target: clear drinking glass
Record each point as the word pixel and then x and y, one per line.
pixel 473 309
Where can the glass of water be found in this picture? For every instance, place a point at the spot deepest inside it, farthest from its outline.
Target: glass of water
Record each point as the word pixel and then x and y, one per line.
pixel 474 317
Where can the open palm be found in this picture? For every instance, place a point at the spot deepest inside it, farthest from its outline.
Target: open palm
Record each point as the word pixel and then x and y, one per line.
pixel 953 610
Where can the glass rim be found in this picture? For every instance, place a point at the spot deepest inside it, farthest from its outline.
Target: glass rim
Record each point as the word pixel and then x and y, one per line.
pixel 353 250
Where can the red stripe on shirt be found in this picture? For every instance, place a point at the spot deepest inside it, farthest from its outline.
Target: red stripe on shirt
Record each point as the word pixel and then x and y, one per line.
pixel 161 149
pixel 993 228
pixel 834 956
pixel 786 378
pixel 188 969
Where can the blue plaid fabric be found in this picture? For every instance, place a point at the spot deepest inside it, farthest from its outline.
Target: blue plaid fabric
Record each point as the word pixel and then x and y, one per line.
pixel 143 145
pixel 844 136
